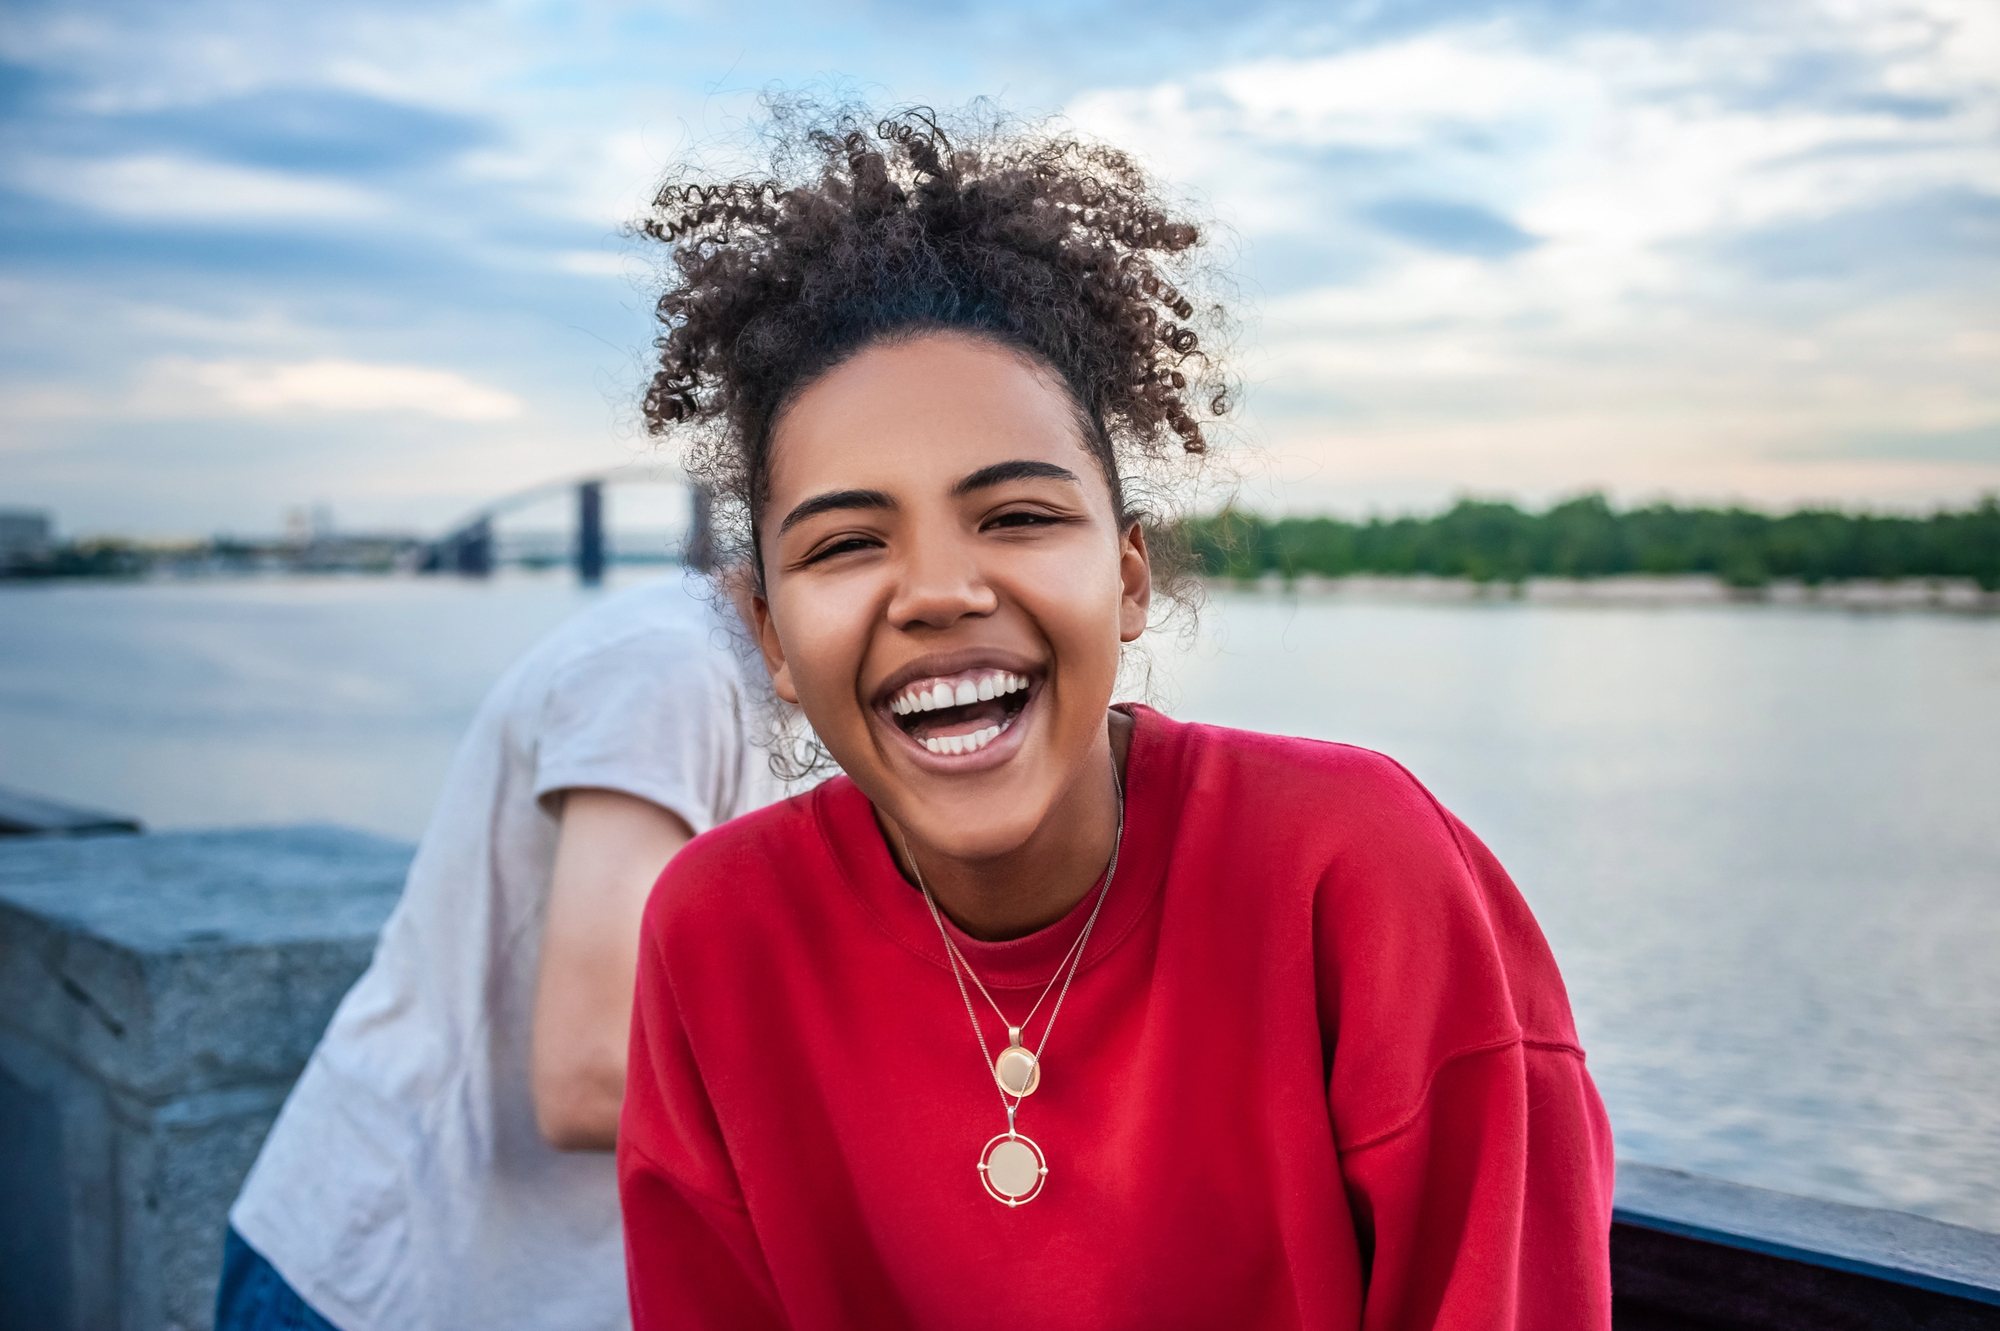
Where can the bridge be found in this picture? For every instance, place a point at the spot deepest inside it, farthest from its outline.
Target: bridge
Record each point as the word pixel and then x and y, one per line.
pixel 468 549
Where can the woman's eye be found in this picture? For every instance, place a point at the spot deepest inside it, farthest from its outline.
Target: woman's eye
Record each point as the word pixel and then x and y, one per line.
pixel 844 546
pixel 1023 518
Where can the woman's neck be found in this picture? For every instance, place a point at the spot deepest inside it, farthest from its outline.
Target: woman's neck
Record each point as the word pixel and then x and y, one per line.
pixel 1041 880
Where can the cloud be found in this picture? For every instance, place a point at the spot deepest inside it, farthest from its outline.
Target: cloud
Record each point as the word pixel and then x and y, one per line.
pixel 1979 444
pixel 1497 258
pixel 597 263
pixel 1920 239
pixel 339 386
pixel 164 188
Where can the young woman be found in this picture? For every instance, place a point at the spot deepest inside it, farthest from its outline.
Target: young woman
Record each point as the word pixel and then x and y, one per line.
pixel 1049 1012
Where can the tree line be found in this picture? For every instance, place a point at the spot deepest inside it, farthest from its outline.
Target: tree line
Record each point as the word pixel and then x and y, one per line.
pixel 1489 541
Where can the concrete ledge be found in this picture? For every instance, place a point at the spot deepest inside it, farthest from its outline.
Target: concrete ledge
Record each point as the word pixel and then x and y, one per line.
pixel 1887 1245
pixel 31 815
pixel 185 961
pixel 158 996
pixel 1691 1252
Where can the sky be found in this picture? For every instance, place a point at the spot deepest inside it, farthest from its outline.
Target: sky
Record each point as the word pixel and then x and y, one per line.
pixel 370 255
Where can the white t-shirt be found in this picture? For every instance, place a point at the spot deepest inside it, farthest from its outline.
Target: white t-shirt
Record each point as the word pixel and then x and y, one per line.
pixel 404 1184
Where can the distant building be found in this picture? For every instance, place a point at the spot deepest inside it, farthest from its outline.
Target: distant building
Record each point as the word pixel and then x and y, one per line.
pixel 356 552
pixel 27 535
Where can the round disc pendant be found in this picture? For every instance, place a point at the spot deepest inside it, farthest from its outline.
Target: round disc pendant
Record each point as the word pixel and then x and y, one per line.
pixel 1012 1168
pixel 1017 1070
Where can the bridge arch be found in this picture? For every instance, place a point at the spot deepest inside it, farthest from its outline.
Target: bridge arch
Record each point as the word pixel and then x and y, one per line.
pixel 467 548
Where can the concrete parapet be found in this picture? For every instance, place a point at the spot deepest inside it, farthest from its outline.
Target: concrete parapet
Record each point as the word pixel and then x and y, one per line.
pixel 158 995
pixel 1689 1253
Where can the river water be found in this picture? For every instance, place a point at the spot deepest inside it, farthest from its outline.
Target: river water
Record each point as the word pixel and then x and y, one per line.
pixel 1764 841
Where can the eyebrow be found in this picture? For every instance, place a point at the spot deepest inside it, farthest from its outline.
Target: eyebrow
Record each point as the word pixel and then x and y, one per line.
pixel 999 473
pixel 834 501
pixel 1021 469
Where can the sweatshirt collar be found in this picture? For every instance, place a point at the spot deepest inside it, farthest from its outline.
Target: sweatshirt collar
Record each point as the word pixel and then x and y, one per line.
pixel 854 841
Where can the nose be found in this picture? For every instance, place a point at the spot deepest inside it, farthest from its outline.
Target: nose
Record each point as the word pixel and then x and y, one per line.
pixel 940 582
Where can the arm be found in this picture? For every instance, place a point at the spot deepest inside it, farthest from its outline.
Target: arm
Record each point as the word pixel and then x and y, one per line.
pixel 609 853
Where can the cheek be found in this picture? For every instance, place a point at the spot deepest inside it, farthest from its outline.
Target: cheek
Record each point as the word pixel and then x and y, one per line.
pixel 1081 618
pixel 824 637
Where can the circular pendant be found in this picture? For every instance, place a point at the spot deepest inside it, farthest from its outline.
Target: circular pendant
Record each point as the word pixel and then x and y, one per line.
pixel 1012 1168
pixel 1017 1070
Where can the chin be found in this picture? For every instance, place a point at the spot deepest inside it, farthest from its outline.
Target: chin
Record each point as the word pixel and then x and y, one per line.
pixel 971 839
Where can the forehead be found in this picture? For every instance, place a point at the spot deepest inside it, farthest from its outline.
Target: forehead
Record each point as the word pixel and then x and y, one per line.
pixel 932 408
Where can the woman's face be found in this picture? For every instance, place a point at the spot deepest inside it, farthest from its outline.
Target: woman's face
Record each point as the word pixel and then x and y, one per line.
pixel 947 586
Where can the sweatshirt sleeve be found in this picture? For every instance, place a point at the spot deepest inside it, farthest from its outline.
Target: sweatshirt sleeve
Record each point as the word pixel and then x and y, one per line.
pixel 692 1258
pixel 1491 1208
pixel 1475 1152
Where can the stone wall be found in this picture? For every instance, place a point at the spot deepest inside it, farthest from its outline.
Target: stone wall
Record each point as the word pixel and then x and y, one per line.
pixel 158 996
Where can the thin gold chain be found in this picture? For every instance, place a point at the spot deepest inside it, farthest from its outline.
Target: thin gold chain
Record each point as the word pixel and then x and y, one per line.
pixel 1073 960
pixel 981 985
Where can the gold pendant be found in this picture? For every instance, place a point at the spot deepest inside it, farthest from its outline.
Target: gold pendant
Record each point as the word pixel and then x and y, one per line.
pixel 1012 1167
pixel 1017 1069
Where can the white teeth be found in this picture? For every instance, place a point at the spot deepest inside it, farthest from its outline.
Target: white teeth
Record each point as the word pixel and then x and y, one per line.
pixel 972 743
pixel 984 689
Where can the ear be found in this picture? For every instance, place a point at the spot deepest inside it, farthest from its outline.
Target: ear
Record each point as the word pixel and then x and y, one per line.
pixel 1135 578
pixel 773 650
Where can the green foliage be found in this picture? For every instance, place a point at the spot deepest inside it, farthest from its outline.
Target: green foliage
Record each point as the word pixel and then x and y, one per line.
pixel 1491 541
pixel 86 559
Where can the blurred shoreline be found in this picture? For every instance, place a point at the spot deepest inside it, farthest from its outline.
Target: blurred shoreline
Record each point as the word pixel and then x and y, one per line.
pixel 1958 595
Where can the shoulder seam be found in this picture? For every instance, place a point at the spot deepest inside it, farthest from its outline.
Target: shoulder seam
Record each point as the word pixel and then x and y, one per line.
pixel 1555 1047
pixel 1474 1051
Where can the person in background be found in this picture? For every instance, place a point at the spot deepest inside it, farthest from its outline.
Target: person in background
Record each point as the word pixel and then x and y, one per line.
pixel 444 1159
pixel 1050 1012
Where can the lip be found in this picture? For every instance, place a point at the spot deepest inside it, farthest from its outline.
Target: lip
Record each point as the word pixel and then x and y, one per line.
pixel 1001 748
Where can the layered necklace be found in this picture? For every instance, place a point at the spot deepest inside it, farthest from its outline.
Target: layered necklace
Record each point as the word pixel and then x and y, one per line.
pixel 1012 1168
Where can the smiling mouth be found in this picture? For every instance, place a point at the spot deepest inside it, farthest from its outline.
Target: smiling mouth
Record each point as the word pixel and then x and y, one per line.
pixel 961 713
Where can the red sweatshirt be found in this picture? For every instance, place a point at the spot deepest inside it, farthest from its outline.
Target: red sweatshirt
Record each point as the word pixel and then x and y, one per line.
pixel 1317 1069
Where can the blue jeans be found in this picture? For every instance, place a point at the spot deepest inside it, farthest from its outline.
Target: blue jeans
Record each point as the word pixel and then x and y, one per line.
pixel 254 1297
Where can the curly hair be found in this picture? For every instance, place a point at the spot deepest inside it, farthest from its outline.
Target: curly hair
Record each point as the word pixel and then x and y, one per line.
pixel 869 229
